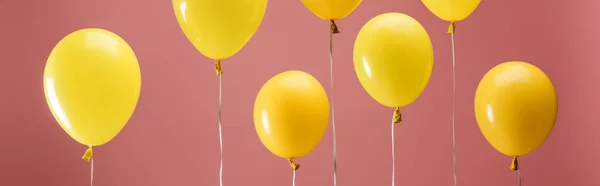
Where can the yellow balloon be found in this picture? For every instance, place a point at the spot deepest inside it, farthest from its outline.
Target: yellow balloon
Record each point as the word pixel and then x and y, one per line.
pixel 331 9
pixel 92 84
pixel 451 10
pixel 515 107
pixel 393 59
pixel 219 28
pixel 291 113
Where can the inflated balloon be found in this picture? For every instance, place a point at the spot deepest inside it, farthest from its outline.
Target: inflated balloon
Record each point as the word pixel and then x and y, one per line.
pixel 219 28
pixel 92 84
pixel 291 113
pixel 331 9
pixel 515 107
pixel 451 10
pixel 393 59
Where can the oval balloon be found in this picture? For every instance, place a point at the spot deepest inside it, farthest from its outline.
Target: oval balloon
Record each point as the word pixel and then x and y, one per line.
pixel 393 59
pixel 331 9
pixel 92 84
pixel 515 107
pixel 291 113
pixel 219 28
pixel 451 10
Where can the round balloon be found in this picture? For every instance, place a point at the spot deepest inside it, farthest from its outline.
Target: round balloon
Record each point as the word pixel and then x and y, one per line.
pixel 219 28
pixel 92 84
pixel 393 59
pixel 331 9
pixel 451 10
pixel 291 113
pixel 515 107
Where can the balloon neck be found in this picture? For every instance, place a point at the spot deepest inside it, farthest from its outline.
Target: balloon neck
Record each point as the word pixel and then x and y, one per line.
pixel 452 28
pixel 87 156
pixel 218 68
pixel 292 164
pixel 515 164
pixel 397 115
pixel 334 28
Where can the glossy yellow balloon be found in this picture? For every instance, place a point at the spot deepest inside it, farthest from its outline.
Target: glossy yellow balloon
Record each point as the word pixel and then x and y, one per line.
pixel 331 9
pixel 515 107
pixel 92 84
pixel 451 10
pixel 393 59
pixel 291 113
pixel 219 28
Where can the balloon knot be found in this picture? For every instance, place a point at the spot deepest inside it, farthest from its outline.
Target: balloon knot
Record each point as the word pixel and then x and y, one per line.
pixel 293 165
pixel 515 164
pixel 87 156
pixel 218 68
pixel 452 28
pixel 397 115
pixel 334 27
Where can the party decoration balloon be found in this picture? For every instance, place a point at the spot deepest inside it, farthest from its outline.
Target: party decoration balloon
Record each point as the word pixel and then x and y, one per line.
pixel 92 84
pixel 451 10
pixel 393 59
pixel 331 9
pixel 219 28
pixel 291 113
pixel 515 107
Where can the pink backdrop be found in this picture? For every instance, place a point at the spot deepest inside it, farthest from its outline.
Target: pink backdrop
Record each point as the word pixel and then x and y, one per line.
pixel 172 137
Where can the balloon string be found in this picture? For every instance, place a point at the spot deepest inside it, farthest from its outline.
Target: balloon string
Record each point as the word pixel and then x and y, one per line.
pixel 92 171
pixel 397 118
pixel 519 176
pixel 451 30
pixel 219 73
pixel 294 168
pixel 331 32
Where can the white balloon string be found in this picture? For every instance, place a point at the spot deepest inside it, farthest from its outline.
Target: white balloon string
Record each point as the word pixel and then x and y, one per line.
pixel 393 151
pixel 92 171
pixel 294 177
pixel 220 129
pixel 519 176
pixel 332 109
pixel 453 110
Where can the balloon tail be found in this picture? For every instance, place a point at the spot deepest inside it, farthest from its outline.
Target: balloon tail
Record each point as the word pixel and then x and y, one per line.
pixel 87 156
pixel 451 32
pixel 397 118
pixel 294 168
pixel 218 68
pixel 334 27
pixel 515 164
pixel 452 28
pixel 332 106
pixel 219 73
pixel 293 165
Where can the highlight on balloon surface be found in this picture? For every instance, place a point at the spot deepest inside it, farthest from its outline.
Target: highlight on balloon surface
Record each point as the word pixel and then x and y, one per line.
pixel 92 83
pixel 291 113
pixel 219 29
pixel 393 59
pixel 515 108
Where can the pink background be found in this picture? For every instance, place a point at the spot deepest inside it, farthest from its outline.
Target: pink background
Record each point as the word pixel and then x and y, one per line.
pixel 172 137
